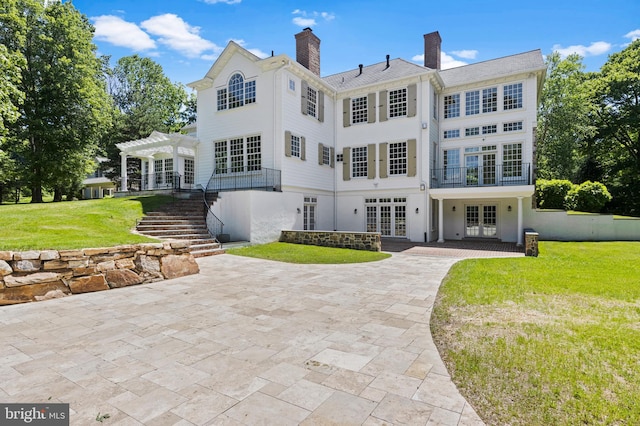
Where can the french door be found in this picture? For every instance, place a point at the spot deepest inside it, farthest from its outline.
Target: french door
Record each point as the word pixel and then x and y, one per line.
pixel 481 221
pixel 481 169
pixel 387 216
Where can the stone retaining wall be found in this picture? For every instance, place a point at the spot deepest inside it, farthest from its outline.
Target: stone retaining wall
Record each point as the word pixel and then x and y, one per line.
pixel 531 242
pixel 353 240
pixel 39 275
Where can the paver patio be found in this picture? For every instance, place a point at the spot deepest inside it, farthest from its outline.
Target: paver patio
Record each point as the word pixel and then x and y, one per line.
pixel 246 342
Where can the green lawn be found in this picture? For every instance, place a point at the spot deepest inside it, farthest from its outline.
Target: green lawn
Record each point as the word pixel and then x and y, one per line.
pixel 298 253
pixel 74 224
pixel 553 340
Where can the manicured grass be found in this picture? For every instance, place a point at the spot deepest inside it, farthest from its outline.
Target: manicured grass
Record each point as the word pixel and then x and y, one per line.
pixel 74 224
pixel 298 253
pixel 553 340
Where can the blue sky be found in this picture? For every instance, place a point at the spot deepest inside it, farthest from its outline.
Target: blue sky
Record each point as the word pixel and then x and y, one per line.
pixel 186 36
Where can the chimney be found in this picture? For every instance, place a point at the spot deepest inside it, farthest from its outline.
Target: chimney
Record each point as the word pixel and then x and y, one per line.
pixel 432 42
pixel 308 50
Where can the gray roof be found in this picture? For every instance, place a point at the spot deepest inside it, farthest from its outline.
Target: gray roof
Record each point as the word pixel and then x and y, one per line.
pixel 514 64
pixel 376 73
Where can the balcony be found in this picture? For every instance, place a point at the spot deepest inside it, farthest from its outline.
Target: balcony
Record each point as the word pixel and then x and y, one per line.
pixel 238 179
pixel 482 176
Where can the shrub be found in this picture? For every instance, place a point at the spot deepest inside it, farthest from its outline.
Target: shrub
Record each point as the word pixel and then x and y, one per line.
pixel 551 194
pixel 588 197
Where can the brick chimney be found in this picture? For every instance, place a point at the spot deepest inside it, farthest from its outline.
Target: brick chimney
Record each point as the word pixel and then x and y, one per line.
pixel 308 50
pixel 432 42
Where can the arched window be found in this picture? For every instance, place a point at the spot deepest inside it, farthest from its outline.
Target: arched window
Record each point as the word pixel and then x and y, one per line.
pixel 236 91
pixel 239 92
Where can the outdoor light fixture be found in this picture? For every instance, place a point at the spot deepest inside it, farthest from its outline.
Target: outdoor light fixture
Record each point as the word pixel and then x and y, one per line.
pixel 417 210
pixel 298 210
pixel 423 186
pixel 508 208
pixel 453 209
pixel 355 211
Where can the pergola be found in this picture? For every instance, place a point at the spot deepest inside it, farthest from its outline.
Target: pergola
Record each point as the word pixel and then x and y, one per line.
pixel 154 146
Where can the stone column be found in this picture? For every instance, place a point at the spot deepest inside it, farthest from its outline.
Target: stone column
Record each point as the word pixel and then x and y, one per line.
pixel 123 171
pixel 441 220
pixel 520 229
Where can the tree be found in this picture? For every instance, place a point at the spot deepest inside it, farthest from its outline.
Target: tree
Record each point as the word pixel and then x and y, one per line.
pixel 65 107
pixel 563 123
pixel 616 96
pixel 145 100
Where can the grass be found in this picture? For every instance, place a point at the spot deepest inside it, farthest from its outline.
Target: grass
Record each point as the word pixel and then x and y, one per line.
pixel 298 253
pixel 74 224
pixel 547 340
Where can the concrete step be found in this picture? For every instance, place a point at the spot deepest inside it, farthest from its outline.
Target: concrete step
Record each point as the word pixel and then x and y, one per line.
pixel 204 253
pixel 173 227
pixel 182 236
pixel 175 233
pixel 163 222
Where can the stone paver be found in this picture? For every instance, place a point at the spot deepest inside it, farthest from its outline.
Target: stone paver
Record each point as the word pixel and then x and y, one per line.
pixel 244 342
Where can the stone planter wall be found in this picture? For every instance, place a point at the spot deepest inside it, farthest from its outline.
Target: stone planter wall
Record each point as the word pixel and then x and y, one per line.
pixel 39 275
pixel 353 240
pixel 531 242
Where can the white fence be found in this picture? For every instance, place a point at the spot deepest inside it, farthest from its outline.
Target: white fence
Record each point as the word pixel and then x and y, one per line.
pixel 563 226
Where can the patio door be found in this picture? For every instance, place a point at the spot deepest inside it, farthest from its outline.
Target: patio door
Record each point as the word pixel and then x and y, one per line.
pixel 481 221
pixel 481 169
pixel 387 216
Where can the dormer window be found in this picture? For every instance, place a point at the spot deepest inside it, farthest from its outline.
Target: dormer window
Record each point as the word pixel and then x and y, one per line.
pixel 238 93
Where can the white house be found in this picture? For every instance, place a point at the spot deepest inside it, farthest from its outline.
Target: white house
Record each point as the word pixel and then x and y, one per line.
pixel 408 151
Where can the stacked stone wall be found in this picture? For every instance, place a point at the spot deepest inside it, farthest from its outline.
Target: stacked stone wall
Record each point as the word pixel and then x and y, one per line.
pixel 35 275
pixel 353 240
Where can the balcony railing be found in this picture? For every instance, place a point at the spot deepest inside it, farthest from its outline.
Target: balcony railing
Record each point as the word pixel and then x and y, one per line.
pixel 241 179
pixel 162 180
pixel 496 175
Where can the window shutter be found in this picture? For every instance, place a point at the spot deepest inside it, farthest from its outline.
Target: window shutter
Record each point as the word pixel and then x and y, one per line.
pixel 332 157
pixel 371 161
pixel 304 88
pixel 412 100
pixel 320 153
pixel 321 106
pixel 346 112
pixel 303 148
pixel 346 162
pixel 287 143
pixel 411 158
pixel 371 108
pixel 383 160
pixel 383 105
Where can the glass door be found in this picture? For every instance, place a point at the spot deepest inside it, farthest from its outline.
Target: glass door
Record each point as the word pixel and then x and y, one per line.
pixel 481 221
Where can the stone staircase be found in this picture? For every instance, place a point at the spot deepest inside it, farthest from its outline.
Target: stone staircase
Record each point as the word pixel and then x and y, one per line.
pixel 181 220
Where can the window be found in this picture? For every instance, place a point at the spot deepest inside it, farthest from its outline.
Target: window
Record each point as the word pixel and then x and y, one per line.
pixel 449 134
pixel 451 164
pixel 359 110
pixel 188 171
pixel 326 155
pixel 312 102
pixel 292 85
pixel 512 96
pixel 398 158
pixel 490 99
pixel 512 127
pixel 238 155
pixel 238 93
pixel 309 218
pixel 295 146
pixel 359 162
pixel 339 158
pixel 254 157
pixel 452 106
pixel 472 131
pixel 472 104
pixel 487 130
pixel 512 160
pixel 398 103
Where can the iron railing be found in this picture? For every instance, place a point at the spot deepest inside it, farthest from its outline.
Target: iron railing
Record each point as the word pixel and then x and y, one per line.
pixel 236 179
pixel 214 224
pixel 495 175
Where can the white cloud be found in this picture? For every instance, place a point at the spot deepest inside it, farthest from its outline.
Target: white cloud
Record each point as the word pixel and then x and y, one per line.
pixel 633 35
pixel 466 54
pixel 594 49
pixel 119 32
pixel 174 32
pixel 446 61
pixel 308 19
pixel 222 1
pixel 304 22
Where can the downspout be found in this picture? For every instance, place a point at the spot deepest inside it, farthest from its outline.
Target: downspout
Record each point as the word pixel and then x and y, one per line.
pixel 428 152
pixel 335 163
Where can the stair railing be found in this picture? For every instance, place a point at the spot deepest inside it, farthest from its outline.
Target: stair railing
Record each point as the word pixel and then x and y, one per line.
pixel 214 224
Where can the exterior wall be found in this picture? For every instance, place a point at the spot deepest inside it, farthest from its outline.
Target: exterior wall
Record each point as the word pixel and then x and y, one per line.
pixel 259 216
pixel 369 241
pixel 561 226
